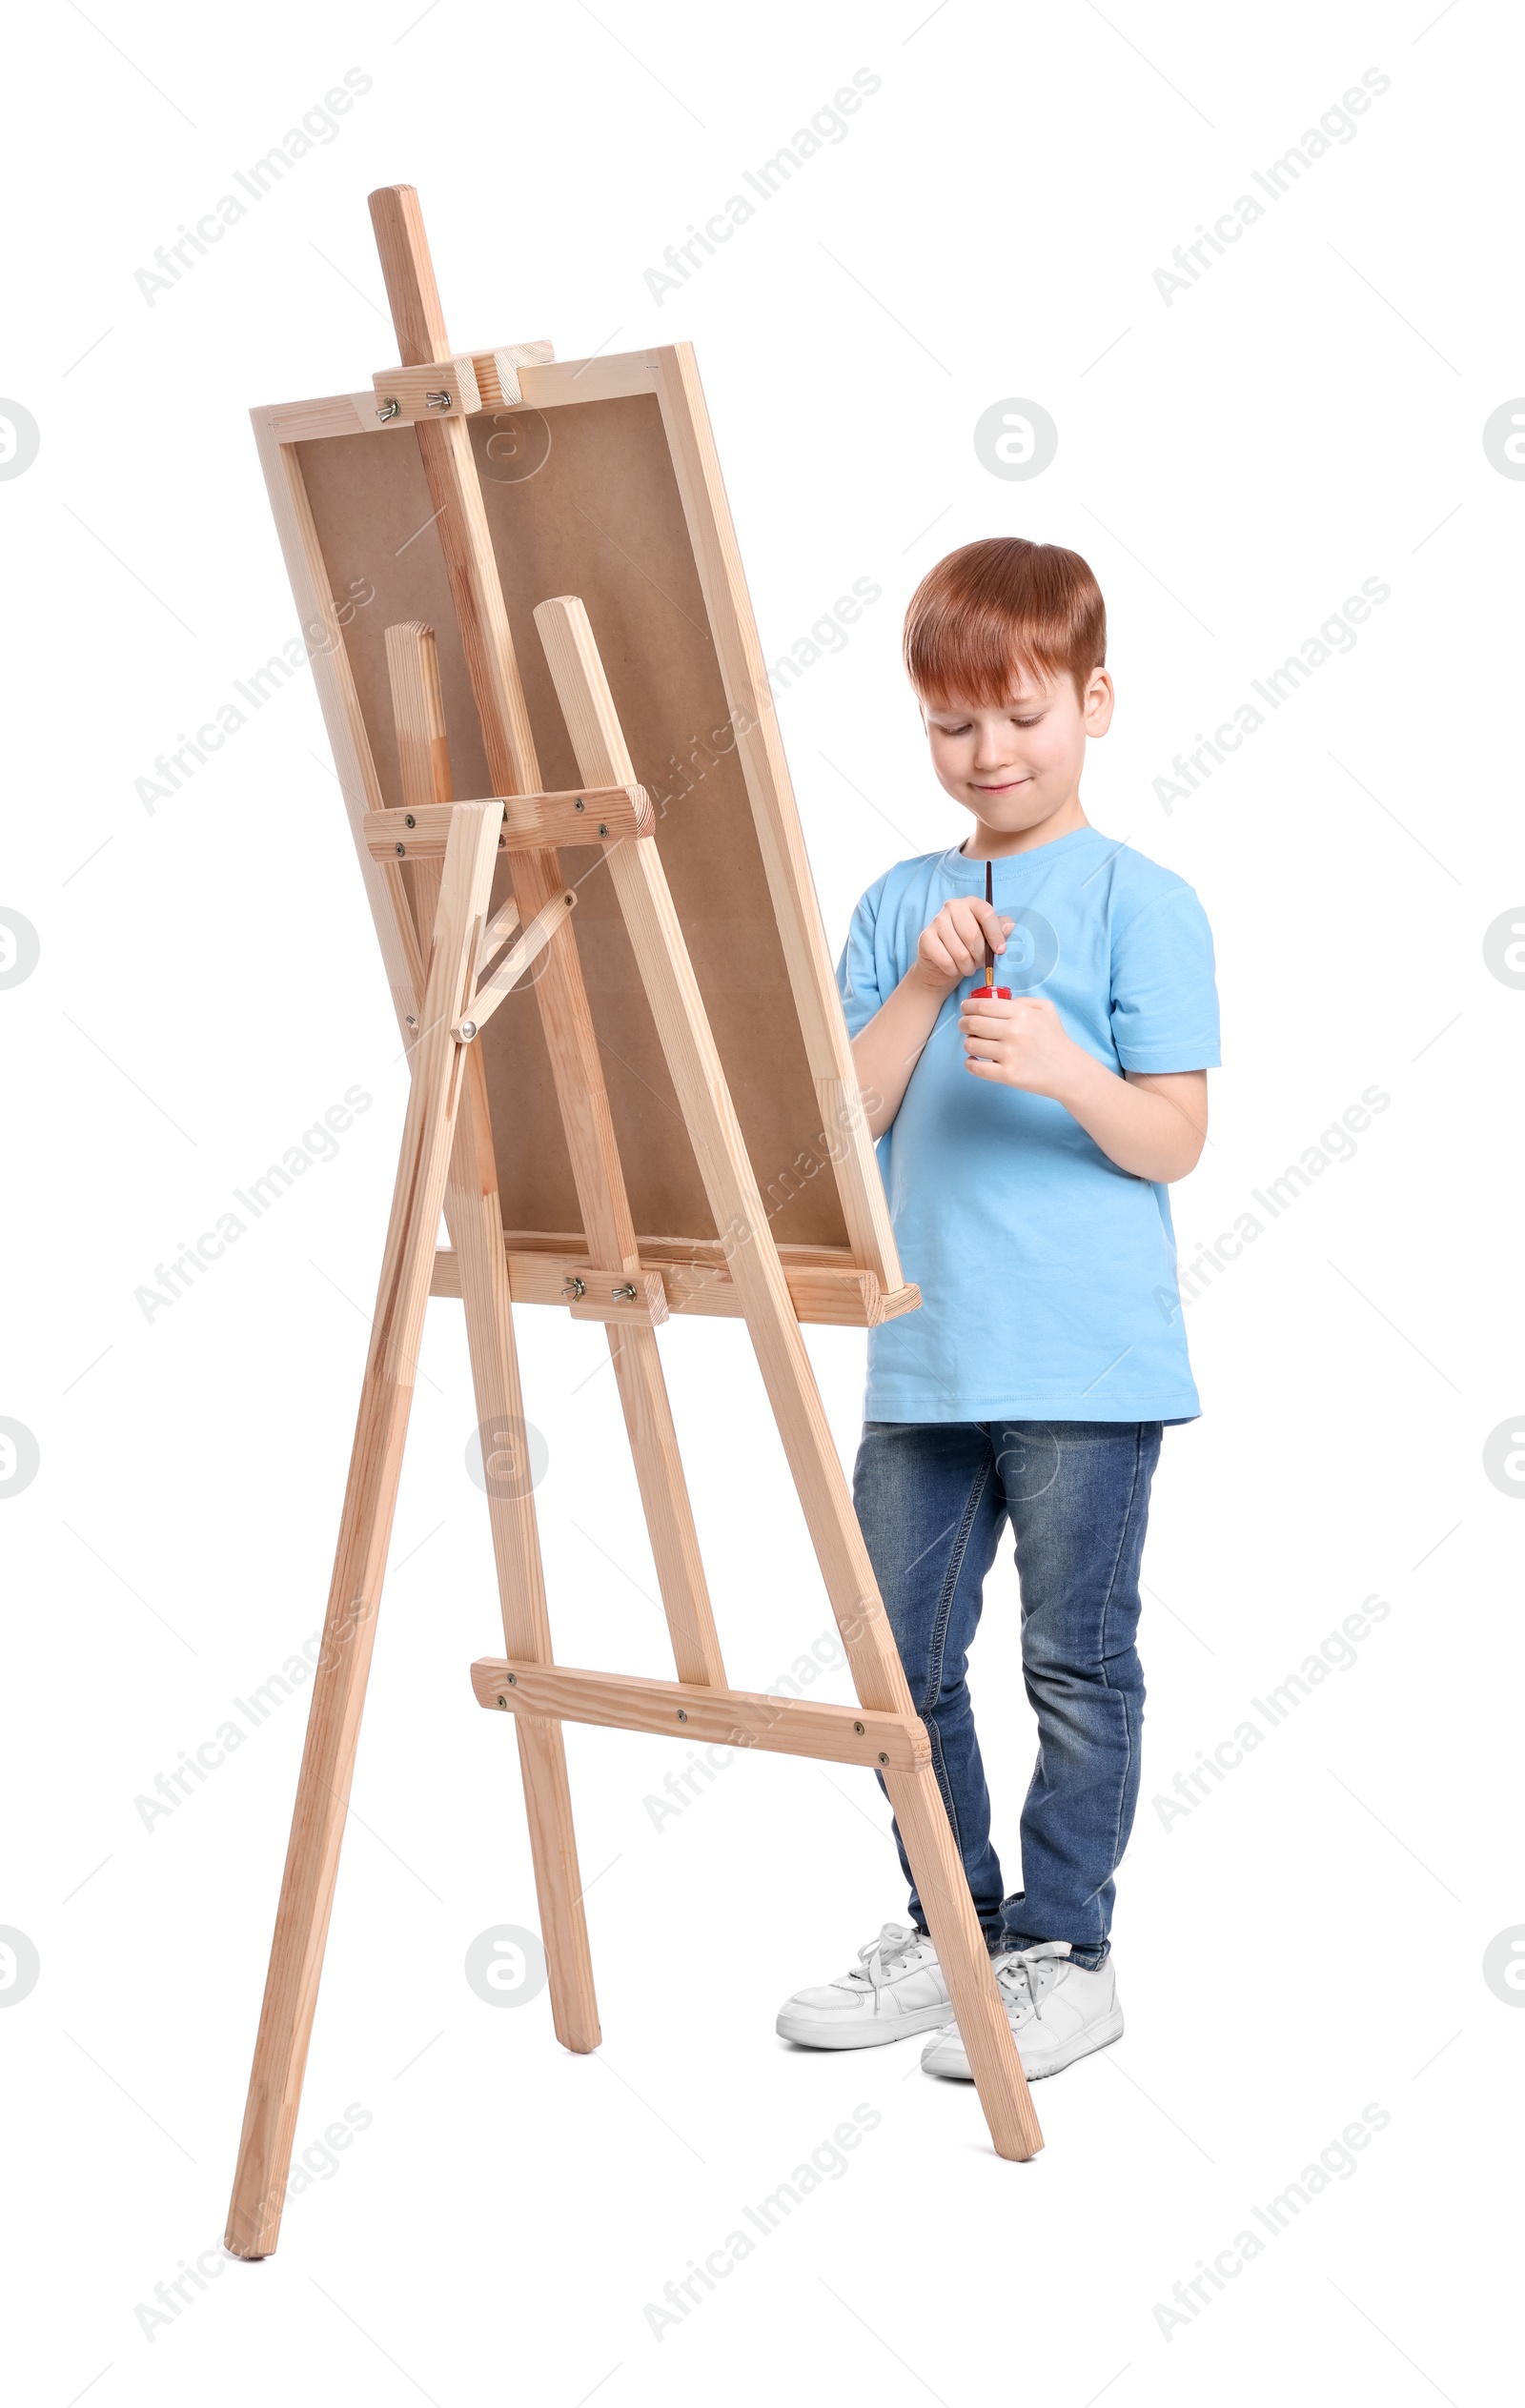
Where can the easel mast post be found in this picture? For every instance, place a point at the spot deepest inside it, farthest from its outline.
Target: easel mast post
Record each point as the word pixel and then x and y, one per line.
pixel 445 449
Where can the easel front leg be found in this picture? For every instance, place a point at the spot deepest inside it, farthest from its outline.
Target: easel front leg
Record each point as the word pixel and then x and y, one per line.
pixel 960 1951
pixel 365 1532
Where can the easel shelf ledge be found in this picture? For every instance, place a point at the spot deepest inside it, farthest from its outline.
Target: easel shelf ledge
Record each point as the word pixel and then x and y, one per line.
pixel 827 1286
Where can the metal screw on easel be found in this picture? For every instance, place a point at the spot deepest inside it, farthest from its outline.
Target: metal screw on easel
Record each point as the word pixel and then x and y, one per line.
pixel 390 410
pixel 859 1729
pixel 436 400
pixel 883 1758
pixel 573 1287
pixel 623 1295
pixel 683 1713
pixel 468 1029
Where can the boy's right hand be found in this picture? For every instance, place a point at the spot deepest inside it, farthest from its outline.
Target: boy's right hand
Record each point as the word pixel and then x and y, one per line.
pixel 954 943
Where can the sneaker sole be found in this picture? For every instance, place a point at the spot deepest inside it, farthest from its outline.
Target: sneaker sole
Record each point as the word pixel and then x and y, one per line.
pixel 877 2033
pixel 1083 2044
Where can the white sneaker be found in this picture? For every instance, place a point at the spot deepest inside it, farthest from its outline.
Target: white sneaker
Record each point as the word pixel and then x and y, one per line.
pixel 895 1989
pixel 1057 2012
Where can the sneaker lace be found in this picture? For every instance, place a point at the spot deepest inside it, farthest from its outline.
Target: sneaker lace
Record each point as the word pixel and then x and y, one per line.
pixel 883 1958
pixel 1026 1977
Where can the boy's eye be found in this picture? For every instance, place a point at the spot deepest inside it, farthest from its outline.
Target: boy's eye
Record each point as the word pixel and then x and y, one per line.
pixel 1032 722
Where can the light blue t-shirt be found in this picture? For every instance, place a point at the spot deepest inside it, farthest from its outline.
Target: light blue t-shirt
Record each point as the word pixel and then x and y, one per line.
pixel 1047 1274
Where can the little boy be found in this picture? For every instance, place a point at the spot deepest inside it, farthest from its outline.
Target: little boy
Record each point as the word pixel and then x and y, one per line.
pixel 1026 1146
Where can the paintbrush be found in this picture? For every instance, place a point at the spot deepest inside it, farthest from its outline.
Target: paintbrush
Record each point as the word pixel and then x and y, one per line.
pixel 989 991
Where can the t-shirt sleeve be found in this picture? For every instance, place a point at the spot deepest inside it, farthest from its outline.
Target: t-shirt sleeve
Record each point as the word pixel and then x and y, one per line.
pixel 858 972
pixel 1165 996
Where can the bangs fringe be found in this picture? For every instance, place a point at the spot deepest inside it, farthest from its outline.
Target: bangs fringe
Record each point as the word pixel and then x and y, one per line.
pixel 996 608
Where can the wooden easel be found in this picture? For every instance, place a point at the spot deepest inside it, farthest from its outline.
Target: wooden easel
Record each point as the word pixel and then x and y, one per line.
pixel 430 862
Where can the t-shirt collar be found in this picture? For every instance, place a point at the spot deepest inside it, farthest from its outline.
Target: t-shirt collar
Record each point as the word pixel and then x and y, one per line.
pixel 961 871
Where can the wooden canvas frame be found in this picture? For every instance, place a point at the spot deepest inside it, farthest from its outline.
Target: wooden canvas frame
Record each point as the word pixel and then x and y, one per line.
pixel 429 863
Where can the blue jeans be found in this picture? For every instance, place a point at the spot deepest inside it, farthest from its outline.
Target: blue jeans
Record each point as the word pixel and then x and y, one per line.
pixel 932 1497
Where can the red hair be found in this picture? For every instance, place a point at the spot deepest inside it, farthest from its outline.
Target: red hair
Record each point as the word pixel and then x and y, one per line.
pixel 993 608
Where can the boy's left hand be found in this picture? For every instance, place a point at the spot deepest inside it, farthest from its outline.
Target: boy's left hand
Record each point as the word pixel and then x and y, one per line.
pixel 1019 1043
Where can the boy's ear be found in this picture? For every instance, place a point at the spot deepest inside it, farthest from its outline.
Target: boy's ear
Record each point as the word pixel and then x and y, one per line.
pixel 1100 699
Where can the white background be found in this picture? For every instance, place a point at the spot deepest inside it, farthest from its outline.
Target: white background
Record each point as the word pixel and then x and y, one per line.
pixel 1309 1939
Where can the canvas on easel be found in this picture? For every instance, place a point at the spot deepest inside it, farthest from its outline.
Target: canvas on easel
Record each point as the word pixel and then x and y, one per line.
pixel 632 1093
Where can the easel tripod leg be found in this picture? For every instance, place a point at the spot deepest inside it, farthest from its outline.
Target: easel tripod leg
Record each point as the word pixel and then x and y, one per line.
pixel 558 1883
pixel 474 1222
pixel 317 1825
pixel 365 1533
pixel 665 1498
pixel 960 1951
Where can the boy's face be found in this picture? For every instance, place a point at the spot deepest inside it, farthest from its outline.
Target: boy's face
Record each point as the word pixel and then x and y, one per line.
pixel 1017 764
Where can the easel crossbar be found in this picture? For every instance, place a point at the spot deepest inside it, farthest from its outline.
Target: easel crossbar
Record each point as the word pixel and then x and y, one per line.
pixel 583 814
pixel 680 1710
